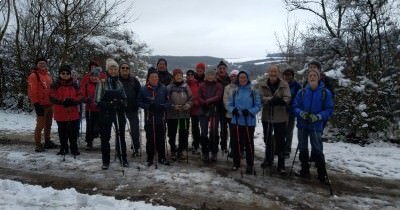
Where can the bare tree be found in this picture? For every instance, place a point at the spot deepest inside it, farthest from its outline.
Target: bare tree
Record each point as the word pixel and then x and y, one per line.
pixel 5 11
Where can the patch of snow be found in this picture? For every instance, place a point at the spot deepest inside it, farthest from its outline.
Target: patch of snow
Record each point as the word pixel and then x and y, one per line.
pixel 363 114
pixel 362 106
pixel 356 58
pixel 18 196
pixel 241 60
pixel 398 48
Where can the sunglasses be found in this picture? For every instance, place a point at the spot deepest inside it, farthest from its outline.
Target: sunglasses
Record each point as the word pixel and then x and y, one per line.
pixel 124 67
pixel 189 74
pixel 65 73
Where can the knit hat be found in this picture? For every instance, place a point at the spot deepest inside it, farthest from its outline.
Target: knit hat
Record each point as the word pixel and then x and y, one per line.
pixel 177 71
pixel 95 72
pixel 210 71
pixel 234 72
pixel 201 66
pixel 110 63
pixel 93 63
pixel 162 59
pixel 40 59
pixel 124 63
pixel 151 70
pixel 316 71
pixel 190 71
pixel 65 67
pixel 221 63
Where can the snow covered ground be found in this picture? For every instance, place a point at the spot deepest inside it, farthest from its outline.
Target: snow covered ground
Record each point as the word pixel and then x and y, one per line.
pixel 378 160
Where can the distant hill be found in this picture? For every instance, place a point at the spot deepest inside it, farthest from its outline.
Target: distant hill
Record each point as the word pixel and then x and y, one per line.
pixel 255 66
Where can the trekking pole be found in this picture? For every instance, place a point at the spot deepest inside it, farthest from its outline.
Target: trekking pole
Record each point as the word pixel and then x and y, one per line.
pixel 294 158
pixel 140 138
pixel 68 127
pixel 154 143
pixel 329 183
pixel 187 145
pixel 238 146
pixel 249 143
pixel 272 143
pixel 165 136
pixel 117 128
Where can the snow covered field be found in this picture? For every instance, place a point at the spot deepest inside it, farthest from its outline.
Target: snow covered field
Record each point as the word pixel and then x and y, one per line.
pixel 378 161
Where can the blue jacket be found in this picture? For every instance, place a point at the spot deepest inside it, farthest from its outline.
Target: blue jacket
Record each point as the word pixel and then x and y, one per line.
pixel 294 88
pixel 243 99
pixel 311 101
pixel 154 95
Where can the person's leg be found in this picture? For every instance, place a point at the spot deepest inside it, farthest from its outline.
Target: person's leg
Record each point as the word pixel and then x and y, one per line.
pixel 203 136
pixel 172 129
pixel 223 130
pixel 269 147
pixel 48 113
pixel 73 132
pixel 195 132
pixel 235 146
pixel 280 134
pixel 289 135
pixel 214 139
pixel 89 130
pixel 160 139
pixel 150 142
pixel 106 120
pixel 303 152
pixel 63 135
pixel 40 124
pixel 121 143
pixel 183 137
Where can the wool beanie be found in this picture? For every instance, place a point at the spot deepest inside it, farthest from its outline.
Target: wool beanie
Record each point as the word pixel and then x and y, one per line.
pixel 288 72
pixel 177 71
pixel 316 71
pixel 201 66
pixel 190 71
pixel 65 67
pixel 150 71
pixel 124 63
pixel 110 63
pixel 96 72
pixel 234 72
pixel 40 59
pixel 221 63
pixel 210 71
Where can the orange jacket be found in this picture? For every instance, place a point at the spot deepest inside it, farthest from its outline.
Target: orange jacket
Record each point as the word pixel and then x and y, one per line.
pixel 39 86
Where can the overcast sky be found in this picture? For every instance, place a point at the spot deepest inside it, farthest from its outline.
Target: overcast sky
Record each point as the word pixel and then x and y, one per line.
pixel 220 28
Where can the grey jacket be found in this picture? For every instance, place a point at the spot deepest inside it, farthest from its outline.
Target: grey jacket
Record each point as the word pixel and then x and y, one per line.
pixel 228 91
pixel 279 113
pixel 180 98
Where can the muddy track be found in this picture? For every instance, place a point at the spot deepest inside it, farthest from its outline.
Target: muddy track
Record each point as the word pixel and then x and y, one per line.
pixel 271 192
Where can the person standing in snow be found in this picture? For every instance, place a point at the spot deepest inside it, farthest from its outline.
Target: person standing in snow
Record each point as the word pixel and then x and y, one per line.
pixel 39 82
pixel 288 76
pixel 313 106
pixel 153 98
pixel 132 89
pixel 66 96
pixel 200 69
pixel 210 93
pixel 110 97
pixel 180 98
pixel 244 104
pixel 91 110
pixel 228 91
pixel 275 94
pixel 223 79
pixel 194 113
pixel 164 76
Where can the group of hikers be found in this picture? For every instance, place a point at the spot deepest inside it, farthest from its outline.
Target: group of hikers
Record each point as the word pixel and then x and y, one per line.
pixel 211 103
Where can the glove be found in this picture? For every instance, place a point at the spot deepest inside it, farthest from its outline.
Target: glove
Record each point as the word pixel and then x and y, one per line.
pixel 39 109
pixel 276 101
pixel 280 102
pixel 266 99
pixel 205 108
pixel 304 115
pixel 314 118
pixel 178 107
pixel 186 107
pixel 88 100
pixel 235 112
pixel 68 102
pixel 245 112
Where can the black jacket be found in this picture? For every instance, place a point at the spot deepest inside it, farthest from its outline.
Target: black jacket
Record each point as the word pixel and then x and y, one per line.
pixel 132 89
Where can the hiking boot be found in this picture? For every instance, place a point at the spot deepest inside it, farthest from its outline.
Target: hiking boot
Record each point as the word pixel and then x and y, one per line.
pixel 61 152
pixel 149 163
pixel 205 157
pixel 173 156
pixel 75 153
pixel 39 148
pixel 89 146
pixel 135 154
pixel 303 174
pixel 214 157
pixel 164 162
pixel 266 164
pixel 281 171
pixel 235 168
pixel 50 145
pixel 324 180
pixel 105 166
pixel 195 152
pixel 249 170
pixel 181 156
pixel 125 164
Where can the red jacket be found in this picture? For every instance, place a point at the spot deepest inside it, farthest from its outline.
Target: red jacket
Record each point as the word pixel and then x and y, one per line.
pixel 86 78
pixel 210 93
pixel 194 87
pixel 39 86
pixel 89 90
pixel 59 91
